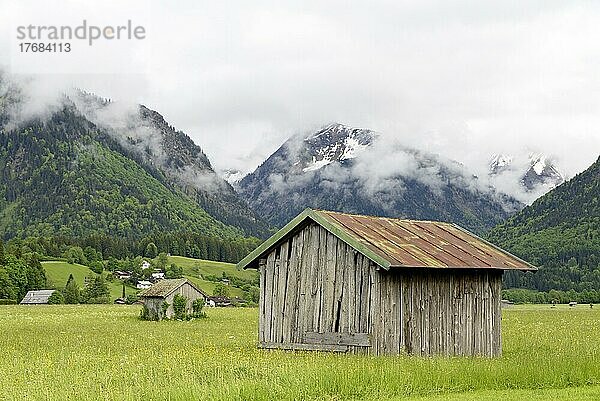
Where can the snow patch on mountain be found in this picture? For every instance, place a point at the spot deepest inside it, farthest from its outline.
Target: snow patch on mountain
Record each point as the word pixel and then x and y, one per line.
pixel 499 163
pixel 317 164
pixel 233 176
pixel 333 143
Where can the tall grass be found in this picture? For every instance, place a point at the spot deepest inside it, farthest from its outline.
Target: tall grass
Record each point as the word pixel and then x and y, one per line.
pixel 105 352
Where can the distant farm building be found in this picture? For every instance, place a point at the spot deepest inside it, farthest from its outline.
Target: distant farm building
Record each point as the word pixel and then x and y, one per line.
pixel 340 282
pixel 165 291
pixel 219 301
pixel 37 297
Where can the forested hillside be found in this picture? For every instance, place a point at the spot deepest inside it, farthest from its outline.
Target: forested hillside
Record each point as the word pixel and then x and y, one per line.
pixel 560 232
pixel 62 175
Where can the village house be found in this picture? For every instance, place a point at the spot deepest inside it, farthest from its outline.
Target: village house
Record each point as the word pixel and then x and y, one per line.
pixel 164 291
pixel 340 282
pixel 158 274
pixel 121 275
pixel 219 301
pixel 37 297
pixel 145 265
pixel 143 284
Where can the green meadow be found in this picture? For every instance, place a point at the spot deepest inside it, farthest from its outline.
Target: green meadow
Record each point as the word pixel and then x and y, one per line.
pixel 57 273
pixel 104 352
pixel 193 269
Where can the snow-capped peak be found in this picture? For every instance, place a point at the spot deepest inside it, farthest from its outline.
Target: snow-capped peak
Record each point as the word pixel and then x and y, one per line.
pixel 540 162
pixel 536 172
pixel 335 143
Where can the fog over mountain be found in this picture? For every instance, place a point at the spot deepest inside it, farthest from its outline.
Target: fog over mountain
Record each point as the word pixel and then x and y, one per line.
pixel 358 170
pixel 464 81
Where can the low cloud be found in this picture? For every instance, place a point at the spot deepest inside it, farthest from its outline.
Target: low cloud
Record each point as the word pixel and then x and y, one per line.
pixel 381 171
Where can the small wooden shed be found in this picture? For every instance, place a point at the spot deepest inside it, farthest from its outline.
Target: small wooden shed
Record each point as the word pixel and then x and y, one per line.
pixel 376 285
pixel 165 290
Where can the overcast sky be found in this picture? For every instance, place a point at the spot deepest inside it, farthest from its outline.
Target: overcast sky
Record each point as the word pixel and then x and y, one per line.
pixel 460 78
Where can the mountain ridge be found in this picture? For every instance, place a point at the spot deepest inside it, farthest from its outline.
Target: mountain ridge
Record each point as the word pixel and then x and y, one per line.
pixel 354 170
pixel 61 173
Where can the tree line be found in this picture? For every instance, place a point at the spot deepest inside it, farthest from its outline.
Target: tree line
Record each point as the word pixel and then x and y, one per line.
pixel 188 244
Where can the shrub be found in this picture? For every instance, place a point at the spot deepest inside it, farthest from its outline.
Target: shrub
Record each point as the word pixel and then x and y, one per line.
pixel 75 255
pixel 197 307
pixel 221 290
pixel 131 299
pixel 7 302
pixel 145 313
pixel 56 298
pixel 165 306
pixel 179 307
pixel 96 266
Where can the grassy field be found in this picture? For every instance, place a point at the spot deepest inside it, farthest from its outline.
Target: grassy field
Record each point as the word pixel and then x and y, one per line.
pixel 105 352
pixel 58 273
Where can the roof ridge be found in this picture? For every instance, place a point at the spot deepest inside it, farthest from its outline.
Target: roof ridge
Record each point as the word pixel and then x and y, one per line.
pixel 382 217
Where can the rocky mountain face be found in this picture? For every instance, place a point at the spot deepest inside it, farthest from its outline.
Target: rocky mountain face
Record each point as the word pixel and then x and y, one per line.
pixel 537 173
pixel 354 170
pixel 157 144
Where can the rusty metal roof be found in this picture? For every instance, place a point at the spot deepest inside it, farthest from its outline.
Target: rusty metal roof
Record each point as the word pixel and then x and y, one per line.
pixel 414 243
pixel 164 288
pixel 392 243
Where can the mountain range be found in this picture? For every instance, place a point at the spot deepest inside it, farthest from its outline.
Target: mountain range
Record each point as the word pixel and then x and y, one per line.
pixel 91 166
pixel 354 170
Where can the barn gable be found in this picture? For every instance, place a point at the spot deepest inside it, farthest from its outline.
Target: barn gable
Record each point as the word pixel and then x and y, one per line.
pixel 340 282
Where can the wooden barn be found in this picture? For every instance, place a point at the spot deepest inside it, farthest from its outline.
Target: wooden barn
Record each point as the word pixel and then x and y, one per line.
pixel 165 290
pixel 341 282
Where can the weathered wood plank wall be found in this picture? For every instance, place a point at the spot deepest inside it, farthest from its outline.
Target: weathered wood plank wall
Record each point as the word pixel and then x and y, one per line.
pixel 313 285
pixel 439 311
pixel 310 284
